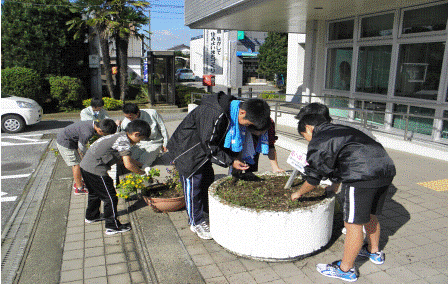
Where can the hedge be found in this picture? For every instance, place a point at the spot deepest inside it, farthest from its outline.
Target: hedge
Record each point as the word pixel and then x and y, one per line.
pixel 109 103
pixel 22 82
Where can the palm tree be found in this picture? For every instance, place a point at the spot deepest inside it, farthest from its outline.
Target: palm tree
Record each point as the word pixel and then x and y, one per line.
pixel 117 19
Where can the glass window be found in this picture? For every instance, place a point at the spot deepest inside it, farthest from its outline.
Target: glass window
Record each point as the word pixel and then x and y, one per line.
pixel 426 19
pixel 377 114
pixel 446 95
pixel 338 107
pixel 381 25
pixel 339 68
pixel 445 125
pixel 341 30
pixel 373 69
pixel 417 122
pixel 419 68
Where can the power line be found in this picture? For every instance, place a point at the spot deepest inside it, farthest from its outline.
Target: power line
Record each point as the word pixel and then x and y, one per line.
pixel 163 12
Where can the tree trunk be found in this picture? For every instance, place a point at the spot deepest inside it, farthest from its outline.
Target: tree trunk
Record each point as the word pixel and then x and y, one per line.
pixel 104 44
pixel 122 58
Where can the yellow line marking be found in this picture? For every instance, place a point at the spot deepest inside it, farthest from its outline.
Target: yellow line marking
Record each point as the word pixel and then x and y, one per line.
pixel 437 185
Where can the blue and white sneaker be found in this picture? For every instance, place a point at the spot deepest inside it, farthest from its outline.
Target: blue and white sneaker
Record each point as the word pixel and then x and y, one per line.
pixel 334 270
pixel 377 257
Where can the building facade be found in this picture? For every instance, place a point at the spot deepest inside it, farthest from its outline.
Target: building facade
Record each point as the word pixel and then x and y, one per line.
pixel 390 57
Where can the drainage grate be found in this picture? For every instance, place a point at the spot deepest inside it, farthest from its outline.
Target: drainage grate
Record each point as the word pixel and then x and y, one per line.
pixel 19 230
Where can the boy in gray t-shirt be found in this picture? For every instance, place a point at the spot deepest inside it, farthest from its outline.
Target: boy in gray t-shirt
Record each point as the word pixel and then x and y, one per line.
pixel 101 155
pixel 72 140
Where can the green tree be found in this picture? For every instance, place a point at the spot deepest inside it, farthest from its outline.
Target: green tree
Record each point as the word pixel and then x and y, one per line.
pixel 116 19
pixel 34 35
pixel 273 55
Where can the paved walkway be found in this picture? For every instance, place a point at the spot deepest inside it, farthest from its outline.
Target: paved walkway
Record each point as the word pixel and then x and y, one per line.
pixel 162 249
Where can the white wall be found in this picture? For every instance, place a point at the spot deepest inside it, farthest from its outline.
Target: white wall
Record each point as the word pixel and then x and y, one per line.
pixel 314 73
pixel 196 56
pixel 134 64
pixel 295 68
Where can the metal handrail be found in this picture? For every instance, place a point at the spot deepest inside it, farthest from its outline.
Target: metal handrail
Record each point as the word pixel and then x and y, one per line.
pixel 363 112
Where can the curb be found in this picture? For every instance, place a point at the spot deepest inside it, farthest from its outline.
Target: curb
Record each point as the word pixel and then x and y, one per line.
pixel 145 260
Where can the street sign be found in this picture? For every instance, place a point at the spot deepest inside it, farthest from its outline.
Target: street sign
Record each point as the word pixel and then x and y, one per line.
pixel 145 71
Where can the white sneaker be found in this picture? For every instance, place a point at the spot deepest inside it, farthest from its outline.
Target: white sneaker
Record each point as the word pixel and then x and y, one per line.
pixel 202 230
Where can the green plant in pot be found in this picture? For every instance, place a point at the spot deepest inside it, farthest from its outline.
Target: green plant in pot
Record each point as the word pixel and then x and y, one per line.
pixel 167 196
pixel 135 183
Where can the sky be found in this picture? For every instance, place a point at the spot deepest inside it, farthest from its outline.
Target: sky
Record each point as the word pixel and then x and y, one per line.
pixel 167 25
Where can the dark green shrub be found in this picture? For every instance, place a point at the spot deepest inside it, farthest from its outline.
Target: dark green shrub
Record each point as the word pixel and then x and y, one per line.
pixel 109 103
pixel 133 91
pixel 22 82
pixel 67 90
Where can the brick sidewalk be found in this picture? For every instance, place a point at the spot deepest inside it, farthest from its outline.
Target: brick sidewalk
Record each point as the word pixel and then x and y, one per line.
pixel 414 237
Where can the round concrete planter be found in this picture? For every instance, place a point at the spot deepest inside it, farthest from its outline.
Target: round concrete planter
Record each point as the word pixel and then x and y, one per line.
pixel 270 235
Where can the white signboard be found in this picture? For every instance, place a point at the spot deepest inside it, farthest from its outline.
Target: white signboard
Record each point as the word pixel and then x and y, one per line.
pixel 298 161
pixel 213 52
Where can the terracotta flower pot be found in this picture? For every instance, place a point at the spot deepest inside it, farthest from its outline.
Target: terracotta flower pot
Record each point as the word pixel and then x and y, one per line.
pixel 165 204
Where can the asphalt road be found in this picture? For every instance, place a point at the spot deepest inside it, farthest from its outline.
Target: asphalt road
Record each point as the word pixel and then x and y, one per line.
pixel 20 157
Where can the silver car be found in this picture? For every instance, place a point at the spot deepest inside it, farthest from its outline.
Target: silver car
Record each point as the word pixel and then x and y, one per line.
pixel 185 75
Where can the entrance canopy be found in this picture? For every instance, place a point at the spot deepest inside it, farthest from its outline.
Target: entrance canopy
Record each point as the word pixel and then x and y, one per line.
pixel 279 15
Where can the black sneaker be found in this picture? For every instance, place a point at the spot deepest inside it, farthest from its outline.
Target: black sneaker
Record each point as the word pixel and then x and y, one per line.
pixel 121 229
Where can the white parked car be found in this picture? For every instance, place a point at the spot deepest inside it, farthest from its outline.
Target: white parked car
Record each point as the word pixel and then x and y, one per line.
pixel 18 112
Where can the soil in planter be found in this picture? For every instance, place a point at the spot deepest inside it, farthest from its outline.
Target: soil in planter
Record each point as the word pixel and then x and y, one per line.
pixel 162 190
pixel 267 193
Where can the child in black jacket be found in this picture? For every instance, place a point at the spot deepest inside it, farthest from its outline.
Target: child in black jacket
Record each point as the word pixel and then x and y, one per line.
pixel 198 142
pixel 348 156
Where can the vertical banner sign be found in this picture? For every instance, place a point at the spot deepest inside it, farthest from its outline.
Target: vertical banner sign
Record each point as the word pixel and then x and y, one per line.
pixel 145 71
pixel 213 52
